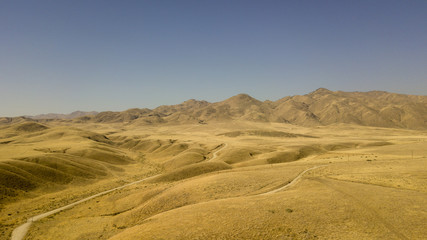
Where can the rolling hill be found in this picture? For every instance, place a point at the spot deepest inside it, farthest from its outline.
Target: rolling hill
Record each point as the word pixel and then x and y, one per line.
pixel 219 170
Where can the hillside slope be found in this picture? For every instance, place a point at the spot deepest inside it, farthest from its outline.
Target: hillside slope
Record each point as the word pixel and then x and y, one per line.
pixel 375 108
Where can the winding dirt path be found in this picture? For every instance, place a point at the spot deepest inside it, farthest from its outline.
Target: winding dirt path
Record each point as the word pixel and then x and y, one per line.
pixel 293 182
pixel 20 232
pixel 215 154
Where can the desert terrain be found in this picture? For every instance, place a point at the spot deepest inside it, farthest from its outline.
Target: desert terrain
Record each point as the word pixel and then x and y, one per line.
pixel 326 165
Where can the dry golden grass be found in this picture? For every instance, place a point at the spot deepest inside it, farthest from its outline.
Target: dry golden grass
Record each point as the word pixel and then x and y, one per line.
pixel 372 184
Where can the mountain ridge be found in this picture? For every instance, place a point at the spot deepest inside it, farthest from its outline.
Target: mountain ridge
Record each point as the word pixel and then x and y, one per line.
pixel 317 108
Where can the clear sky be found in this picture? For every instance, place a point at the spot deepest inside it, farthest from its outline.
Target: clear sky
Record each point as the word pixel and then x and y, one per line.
pixel 61 56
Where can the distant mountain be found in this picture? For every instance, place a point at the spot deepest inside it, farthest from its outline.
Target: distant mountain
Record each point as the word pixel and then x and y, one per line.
pixel 72 115
pixel 321 107
pixel 374 108
pixel 125 116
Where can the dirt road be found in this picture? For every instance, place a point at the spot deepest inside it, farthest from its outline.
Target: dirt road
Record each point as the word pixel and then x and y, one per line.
pixel 293 182
pixel 215 154
pixel 20 232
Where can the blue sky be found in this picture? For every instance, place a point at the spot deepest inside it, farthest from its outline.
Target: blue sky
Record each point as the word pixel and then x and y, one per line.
pixel 62 56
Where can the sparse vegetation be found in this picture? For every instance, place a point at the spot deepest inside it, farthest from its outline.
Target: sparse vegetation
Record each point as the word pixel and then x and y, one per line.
pixel 46 165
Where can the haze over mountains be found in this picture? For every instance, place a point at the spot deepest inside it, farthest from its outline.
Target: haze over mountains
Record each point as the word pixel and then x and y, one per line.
pixel 320 107
pixel 72 115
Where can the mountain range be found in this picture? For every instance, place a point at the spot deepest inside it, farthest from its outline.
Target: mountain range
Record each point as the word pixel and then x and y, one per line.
pixel 320 107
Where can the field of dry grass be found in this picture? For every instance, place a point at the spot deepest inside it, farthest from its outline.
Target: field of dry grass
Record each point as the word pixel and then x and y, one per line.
pixel 372 181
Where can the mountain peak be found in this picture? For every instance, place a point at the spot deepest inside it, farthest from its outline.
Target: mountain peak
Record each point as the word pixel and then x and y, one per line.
pixel 242 97
pixel 190 101
pixel 321 91
pixel 194 102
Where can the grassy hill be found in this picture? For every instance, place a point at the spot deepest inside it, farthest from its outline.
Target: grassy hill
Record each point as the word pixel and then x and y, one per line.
pixel 356 163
